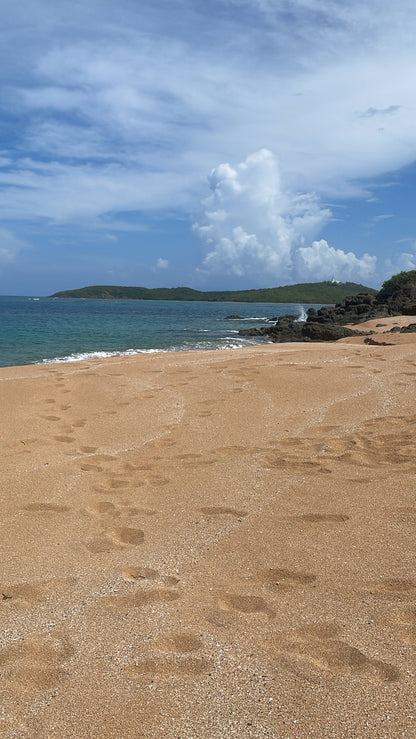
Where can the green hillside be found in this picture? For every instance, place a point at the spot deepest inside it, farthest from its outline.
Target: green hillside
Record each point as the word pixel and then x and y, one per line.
pixel 314 292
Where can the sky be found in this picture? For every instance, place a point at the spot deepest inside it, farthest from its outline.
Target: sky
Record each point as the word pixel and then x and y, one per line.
pixel 225 144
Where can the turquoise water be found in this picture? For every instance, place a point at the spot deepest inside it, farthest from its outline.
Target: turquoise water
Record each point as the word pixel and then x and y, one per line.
pixel 36 330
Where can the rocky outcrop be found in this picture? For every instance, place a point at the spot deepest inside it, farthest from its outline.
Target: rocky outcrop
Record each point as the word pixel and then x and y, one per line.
pixel 287 328
pixel 402 302
pixel 410 329
pixel 355 309
pixel 327 332
pixel 397 297
pixel 399 294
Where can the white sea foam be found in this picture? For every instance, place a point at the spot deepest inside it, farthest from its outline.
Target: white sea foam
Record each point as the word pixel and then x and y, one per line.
pixel 303 315
pixel 79 356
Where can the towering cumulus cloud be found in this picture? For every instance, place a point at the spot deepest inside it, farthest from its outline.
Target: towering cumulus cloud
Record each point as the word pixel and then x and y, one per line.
pixel 251 225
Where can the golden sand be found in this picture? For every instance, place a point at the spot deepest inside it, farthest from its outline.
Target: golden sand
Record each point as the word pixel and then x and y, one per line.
pixel 211 544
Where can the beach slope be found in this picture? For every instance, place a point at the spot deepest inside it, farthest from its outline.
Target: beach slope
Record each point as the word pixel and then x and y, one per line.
pixel 211 544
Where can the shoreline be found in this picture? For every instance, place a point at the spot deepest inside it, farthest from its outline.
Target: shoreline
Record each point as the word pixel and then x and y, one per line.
pixel 210 543
pixel 381 326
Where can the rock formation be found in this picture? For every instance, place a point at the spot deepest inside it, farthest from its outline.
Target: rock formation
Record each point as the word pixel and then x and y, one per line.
pixel 397 297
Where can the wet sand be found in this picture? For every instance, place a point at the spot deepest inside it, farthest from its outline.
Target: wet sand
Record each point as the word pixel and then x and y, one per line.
pixel 211 544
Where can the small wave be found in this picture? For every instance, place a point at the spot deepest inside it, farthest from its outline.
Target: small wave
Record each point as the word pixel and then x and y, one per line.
pixel 226 342
pixel 79 356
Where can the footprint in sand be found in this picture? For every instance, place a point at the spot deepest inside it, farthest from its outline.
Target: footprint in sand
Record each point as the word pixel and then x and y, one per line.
pixel 195 460
pixel 133 574
pixel 317 646
pixel 95 462
pixel 107 510
pixel 64 439
pixel 89 467
pixel 401 588
pixel 222 511
pixel 115 539
pixel 29 593
pixel 127 535
pixel 181 642
pixel 157 480
pixel 34 663
pixel 117 484
pixel 280 578
pixel 46 507
pixel 104 510
pixel 140 599
pixel 168 667
pixel 114 484
pixel 247 604
pixel 136 467
pixel 174 662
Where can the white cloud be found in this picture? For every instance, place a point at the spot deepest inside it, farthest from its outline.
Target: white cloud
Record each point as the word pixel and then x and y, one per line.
pixel 163 100
pixel 401 262
pixel 65 193
pixel 10 246
pixel 162 263
pixel 382 217
pixel 320 261
pixel 251 226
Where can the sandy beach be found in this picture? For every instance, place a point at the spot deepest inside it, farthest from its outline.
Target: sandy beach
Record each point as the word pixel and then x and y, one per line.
pixel 211 544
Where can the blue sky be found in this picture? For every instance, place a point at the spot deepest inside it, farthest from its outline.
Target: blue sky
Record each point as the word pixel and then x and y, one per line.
pixel 221 144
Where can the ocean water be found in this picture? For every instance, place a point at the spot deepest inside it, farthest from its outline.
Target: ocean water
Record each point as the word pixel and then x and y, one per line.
pixel 37 330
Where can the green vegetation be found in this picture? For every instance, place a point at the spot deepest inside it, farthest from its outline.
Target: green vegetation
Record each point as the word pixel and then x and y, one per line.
pixel 397 282
pixel 315 292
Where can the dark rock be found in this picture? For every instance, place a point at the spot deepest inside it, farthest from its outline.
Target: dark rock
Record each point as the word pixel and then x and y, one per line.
pixel 355 309
pixel 410 329
pixel 233 317
pixel 400 297
pixel 262 331
pixel 286 329
pixel 326 332
pixel 373 342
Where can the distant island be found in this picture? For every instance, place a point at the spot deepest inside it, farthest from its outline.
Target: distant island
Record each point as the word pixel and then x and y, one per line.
pixel 330 291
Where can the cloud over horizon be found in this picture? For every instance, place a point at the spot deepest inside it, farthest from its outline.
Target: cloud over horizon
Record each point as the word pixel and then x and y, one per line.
pixel 252 226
